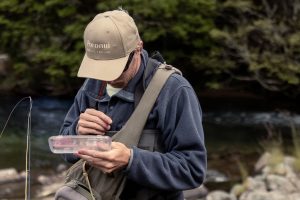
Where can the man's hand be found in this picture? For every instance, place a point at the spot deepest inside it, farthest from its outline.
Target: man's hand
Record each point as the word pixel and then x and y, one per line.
pixel 107 161
pixel 93 122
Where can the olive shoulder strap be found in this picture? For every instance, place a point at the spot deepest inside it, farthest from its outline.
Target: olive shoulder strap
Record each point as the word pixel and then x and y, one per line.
pixel 131 131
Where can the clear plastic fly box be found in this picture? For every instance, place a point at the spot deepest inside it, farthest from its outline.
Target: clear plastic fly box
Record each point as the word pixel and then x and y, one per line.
pixel 72 143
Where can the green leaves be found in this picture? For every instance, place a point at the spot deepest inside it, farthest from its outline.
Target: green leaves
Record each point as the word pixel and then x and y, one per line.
pixel 42 39
pixel 262 39
pixel 46 36
pixel 219 42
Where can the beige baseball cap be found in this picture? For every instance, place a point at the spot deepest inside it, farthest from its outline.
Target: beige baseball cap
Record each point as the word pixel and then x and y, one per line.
pixel 109 39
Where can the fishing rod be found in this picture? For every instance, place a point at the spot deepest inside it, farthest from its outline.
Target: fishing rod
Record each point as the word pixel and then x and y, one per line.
pixel 28 145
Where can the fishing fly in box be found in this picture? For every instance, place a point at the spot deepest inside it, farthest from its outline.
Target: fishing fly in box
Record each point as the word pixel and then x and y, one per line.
pixel 72 143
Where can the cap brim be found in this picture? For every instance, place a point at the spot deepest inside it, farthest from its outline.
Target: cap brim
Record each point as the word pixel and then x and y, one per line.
pixel 106 70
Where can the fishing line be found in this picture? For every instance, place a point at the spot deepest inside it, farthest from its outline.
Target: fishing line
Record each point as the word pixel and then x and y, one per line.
pixel 27 170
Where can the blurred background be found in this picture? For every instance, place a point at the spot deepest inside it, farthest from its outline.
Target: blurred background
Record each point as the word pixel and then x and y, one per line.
pixel 241 56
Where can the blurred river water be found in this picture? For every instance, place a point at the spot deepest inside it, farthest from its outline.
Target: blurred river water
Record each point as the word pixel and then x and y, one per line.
pixel 232 135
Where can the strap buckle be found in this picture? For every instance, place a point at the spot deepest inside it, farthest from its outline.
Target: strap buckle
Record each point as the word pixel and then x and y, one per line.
pixel 170 67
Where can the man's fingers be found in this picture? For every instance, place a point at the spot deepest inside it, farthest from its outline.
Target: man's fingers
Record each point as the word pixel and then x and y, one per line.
pixel 95 119
pixel 99 114
pixel 92 125
pixel 93 153
pixel 86 158
pixel 93 122
pixel 84 131
pixel 107 161
pixel 95 158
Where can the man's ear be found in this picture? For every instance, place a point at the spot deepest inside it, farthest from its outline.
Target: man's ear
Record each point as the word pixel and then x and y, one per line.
pixel 139 46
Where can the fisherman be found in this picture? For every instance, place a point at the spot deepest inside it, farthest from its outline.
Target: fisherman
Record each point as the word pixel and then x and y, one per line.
pixel 115 66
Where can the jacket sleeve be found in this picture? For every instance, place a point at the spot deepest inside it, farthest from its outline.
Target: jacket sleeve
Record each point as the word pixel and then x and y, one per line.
pixel 183 165
pixel 87 97
pixel 69 125
pixel 71 119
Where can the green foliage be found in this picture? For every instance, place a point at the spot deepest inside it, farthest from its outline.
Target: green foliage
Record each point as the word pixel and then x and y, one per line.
pixel 215 43
pixel 44 41
pixel 243 170
pixel 296 141
pixel 179 29
pixel 44 38
pixel 274 147
pixel 261 39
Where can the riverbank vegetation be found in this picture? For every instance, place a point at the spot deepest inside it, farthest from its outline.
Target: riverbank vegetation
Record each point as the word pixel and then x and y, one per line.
pixel 276 173
pixel 250 45
pixel 276 146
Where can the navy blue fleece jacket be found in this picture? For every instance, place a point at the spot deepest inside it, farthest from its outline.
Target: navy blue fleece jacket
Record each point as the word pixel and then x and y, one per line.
pixel 178 116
